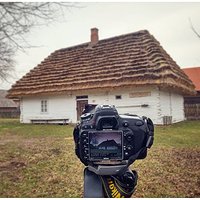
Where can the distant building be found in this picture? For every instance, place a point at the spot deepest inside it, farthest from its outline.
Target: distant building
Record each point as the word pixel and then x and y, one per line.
pixel 131 71
pixel 109 145
pixel 192 103
pixel 8 108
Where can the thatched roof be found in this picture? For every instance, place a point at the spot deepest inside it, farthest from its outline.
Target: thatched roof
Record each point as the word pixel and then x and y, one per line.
pixel 134 59
pixel 6 103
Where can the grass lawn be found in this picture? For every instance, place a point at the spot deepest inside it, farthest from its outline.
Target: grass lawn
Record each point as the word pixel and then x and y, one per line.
pixel 39 161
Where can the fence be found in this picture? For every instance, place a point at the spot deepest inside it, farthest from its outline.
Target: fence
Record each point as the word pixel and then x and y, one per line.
pixel 192 111
pixel 9 112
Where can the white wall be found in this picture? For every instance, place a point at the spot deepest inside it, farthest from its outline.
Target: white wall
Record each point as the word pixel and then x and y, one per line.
pixel 177 108
pixel 160 103
pixel 59 107
pixel 127 104
pixel 171 104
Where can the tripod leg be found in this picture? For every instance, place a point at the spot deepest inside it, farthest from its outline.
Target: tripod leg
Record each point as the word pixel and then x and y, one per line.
pixel 92 185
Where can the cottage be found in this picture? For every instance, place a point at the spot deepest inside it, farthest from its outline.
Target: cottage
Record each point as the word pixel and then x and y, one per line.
pixel 131 71
pixel 192 103
pixel 8 108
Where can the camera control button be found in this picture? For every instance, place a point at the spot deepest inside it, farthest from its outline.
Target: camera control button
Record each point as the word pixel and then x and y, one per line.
pixel 129 147
pixel 126 153
pixel 129 136
pixel 139 123
pixel 84 135
pixel 125 124
pixel 86 151
pixel 91 126
pixel 85 141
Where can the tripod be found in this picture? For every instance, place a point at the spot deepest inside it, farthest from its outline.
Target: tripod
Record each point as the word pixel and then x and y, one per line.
pixel 93 187
pixel 98 186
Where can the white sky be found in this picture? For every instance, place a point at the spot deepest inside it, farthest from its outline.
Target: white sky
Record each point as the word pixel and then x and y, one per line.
pixel 168 22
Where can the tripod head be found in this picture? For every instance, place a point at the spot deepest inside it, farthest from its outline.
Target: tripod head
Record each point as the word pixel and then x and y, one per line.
pixel 112 186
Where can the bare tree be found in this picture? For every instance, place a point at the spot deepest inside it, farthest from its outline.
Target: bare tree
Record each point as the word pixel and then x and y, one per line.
pixel 17 19
pixel 193 29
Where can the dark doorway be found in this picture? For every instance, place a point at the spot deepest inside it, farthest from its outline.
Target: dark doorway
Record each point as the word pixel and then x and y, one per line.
pixel 80 105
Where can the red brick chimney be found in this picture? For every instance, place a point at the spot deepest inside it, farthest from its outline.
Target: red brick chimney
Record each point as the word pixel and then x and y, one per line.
pixel 94 36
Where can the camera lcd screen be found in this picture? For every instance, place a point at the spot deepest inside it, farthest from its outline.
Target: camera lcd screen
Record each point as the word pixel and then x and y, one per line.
pixel 105 145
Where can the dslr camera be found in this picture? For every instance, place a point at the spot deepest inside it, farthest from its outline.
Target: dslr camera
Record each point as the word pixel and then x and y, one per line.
pixel 107 142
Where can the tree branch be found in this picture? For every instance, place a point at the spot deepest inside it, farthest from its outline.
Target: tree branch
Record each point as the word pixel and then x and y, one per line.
pixel 193 29
pixel 17 19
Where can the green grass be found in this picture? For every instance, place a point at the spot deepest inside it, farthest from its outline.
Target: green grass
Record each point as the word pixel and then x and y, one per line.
pixel 12 126
pixel 39 161
pixel 183 134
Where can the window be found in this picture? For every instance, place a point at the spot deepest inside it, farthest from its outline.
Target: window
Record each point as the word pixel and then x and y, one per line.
pixel 44 106
pixel 118 97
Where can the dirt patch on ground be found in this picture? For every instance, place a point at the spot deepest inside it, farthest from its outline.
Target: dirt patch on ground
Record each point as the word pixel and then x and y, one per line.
pixel 11 165
pixel 169 172
pixel 55 151
pixel 189 162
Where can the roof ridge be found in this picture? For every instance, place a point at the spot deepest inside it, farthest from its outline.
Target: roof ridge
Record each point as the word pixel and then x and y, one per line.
pixel 102 40
pixel 124 35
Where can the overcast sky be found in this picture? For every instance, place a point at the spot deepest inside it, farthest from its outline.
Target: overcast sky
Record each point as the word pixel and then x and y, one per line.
pixel 168 22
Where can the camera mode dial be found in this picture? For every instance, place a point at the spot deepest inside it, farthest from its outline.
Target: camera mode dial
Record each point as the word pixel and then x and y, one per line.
pixel 86 116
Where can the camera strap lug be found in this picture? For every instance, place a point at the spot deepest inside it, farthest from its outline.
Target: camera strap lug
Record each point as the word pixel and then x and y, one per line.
pixel 149 141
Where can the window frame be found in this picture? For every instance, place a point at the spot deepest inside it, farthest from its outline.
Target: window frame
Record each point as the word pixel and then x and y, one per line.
pixel 44 106
pixel 118 97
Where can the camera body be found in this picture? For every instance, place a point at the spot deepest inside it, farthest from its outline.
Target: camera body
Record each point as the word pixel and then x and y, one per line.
pixel 104 137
